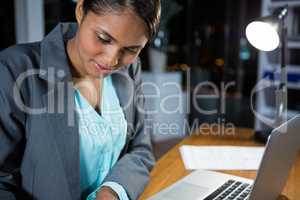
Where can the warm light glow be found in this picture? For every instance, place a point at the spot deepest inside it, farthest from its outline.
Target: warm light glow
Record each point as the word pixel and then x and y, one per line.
pixel 262 36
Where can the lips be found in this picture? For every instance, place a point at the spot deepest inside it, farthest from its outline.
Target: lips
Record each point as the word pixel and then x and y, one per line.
pixel 102 67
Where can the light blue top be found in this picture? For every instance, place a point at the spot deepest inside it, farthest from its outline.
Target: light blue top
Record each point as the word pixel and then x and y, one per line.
pixel 102 137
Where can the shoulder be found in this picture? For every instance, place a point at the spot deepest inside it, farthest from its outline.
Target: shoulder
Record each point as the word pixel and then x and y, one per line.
pixel 14 61
pixel 18 58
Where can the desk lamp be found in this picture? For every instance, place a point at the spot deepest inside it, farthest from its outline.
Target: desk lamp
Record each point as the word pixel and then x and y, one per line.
pixel 266 34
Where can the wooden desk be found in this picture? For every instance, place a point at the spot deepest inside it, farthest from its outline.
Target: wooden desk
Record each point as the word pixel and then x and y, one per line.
pixel 170 167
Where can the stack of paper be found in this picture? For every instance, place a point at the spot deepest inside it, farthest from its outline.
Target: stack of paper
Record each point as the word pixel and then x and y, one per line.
pixel 221 157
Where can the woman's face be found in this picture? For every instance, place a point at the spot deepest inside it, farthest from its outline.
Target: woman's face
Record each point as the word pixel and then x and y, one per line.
pixel 104 43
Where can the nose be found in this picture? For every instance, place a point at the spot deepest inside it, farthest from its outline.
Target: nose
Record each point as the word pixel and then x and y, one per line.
pixel 111 58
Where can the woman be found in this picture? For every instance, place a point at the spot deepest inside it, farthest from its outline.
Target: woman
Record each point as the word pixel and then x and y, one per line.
pixel 72 120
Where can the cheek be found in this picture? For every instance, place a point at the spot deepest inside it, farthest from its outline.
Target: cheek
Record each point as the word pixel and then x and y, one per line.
pixel 129 59
pixel 88 45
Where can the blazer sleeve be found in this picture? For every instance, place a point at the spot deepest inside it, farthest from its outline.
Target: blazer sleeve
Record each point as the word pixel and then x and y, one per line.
pixel 11 137
pixel 132 171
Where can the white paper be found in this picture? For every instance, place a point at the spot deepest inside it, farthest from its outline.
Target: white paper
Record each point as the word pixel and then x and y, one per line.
pixel 221 157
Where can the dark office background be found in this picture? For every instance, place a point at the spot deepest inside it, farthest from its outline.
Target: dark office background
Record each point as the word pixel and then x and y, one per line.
pixel 204 35
pixel 7 20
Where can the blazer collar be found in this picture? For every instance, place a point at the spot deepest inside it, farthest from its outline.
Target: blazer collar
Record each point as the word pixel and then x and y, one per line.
pixel 53 52
pixel 125 89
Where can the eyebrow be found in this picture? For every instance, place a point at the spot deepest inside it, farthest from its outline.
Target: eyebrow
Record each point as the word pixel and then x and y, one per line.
pixel 115 40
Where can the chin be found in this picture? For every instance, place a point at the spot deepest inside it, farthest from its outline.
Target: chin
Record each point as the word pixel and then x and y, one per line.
pixel 99 74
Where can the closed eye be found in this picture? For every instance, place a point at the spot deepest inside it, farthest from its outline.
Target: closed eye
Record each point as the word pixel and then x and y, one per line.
pixel 103 40
pixel 132 51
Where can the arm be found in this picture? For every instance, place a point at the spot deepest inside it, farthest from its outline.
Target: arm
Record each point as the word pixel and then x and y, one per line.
pixel 132 170
pixel 116 190
pixel 109 190
pixel 11 129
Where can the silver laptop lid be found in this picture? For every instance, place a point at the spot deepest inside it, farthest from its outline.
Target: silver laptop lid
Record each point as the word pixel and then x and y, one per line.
pixel 281 150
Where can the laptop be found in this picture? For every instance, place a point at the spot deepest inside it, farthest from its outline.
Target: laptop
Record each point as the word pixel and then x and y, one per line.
pixel 281 151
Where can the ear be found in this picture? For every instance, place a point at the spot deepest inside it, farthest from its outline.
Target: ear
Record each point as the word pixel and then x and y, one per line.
pixel 79 11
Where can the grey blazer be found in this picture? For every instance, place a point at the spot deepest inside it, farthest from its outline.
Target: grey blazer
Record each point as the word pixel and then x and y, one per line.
pixel 39 139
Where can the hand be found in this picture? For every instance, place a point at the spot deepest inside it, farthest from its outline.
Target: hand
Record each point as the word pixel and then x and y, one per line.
pixel 106 193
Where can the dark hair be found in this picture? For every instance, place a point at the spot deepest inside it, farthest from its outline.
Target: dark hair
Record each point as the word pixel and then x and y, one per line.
pixel 148 10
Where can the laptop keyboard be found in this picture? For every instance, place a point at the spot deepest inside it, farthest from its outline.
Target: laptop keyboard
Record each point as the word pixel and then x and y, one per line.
pixel 231 190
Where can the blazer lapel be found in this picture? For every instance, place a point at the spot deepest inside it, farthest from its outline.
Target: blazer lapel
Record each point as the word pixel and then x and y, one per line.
pixel 62 118
pixel 124 86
